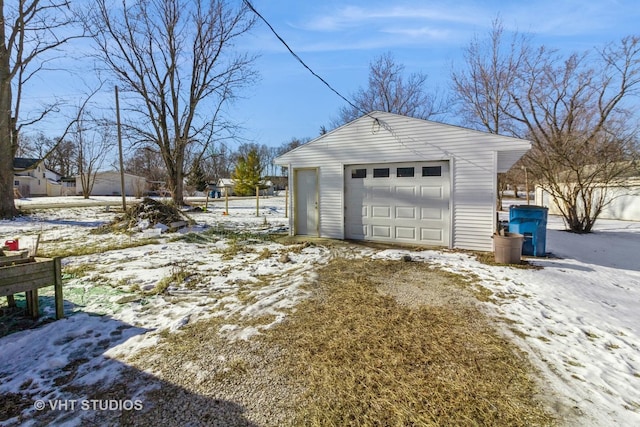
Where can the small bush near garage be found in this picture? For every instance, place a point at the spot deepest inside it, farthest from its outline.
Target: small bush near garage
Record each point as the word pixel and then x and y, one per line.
pixel 365 358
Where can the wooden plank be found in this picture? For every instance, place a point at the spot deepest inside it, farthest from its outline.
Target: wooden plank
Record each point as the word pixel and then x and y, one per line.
pixel 58 288
pixel 38 273
pixel 21 270
pixel 11 257
pixel 33 306
pixel 11 301
pixel 16 261
pixel 12 278
pixel 29 267
pixel 18 272
pixel 26 277
pixel 27 299
pixel 22 253
pixel 48 279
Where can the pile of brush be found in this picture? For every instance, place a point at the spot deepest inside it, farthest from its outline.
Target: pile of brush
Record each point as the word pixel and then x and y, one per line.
pixel 150 213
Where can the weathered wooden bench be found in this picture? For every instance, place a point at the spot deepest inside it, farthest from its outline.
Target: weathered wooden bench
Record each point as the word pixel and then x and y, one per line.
pixel 28 274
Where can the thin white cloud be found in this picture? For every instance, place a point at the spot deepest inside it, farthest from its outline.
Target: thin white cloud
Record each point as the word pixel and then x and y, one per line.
pixel 383 27
pixel 419 32
pixel 355 16
pixel 420 24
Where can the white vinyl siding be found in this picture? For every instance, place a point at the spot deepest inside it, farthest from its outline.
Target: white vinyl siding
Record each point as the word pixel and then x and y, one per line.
pixel 109 184
pixel 331 207
pixel 472 157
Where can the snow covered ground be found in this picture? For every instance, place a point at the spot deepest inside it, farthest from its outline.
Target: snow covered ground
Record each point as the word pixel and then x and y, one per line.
pixel 577 317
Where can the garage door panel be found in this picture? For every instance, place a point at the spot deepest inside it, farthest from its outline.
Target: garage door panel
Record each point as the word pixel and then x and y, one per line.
pixel 380 212
pixel 431 192
pixel 406 191
pixel 434 234
pixel 405 212
pixel 380 231
pixel 431 213
pixel 411 209
pixel 379 193
pixel 406 233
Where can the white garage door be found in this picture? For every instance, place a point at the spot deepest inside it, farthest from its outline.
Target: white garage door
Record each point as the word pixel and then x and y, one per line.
pixel 398 202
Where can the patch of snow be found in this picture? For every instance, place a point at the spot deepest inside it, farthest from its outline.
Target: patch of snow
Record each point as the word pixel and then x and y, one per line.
pixel 577 317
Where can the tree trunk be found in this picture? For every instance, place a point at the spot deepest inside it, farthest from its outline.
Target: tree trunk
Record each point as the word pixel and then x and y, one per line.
pixel 178 192
pixel 7 205
pixel 7 148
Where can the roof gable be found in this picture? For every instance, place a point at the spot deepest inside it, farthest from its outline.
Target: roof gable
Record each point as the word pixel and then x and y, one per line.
pixel 377 133
pixel 22 163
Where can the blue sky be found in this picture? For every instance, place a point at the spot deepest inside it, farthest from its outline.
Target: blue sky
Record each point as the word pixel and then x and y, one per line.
pixel 338 40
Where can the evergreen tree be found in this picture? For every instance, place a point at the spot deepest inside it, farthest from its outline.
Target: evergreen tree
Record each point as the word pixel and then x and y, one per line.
pixel 197 179
pixel 248 173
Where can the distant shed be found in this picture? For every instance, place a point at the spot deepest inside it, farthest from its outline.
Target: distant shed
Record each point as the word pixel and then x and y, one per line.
pixel 391 178
pixel 109 184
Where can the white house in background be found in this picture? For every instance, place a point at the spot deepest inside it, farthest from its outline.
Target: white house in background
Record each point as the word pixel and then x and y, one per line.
pixel 31 178
pixel 623 202
pixel 68 186
pixel 391 178
pixel 268 189
pixel 108 184
pixel 226 186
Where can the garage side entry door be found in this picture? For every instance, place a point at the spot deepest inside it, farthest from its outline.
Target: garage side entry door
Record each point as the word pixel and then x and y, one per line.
pixel 398 202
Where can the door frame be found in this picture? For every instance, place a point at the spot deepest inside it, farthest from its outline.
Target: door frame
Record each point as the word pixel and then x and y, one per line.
pixel 296 201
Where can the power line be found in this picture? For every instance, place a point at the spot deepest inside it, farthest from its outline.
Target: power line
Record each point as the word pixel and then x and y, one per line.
pixel 253 9
pixel 385 125
pixel 382 123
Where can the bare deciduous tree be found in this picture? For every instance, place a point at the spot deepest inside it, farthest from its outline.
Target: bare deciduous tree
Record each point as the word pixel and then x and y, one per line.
pixel 583 139
pixel 391 91
pixel 93 140
pixel 176 61
pixel 148 163
pixel 288 146
pixel 59 156
pixel 571 108
pixel 483 88
pixel 29 32
pixel 218 163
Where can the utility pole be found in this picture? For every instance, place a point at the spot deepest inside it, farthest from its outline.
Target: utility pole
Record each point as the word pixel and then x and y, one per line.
pixel 122 187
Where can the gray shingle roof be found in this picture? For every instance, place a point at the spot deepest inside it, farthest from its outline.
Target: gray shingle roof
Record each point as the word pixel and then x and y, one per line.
pixel 21 163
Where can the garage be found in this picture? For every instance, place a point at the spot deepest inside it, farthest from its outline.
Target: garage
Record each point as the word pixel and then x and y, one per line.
pixel 390 178
pixel 398 202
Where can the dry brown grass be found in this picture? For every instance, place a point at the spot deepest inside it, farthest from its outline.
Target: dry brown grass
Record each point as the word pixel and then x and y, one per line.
pixel 489 259
pixel 365 359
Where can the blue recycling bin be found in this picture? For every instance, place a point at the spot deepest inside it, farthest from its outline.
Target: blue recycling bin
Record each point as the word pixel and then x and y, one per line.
pixel 531 222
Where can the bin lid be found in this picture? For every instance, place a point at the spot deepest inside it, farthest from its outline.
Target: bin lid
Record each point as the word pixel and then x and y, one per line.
pixel 534 207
